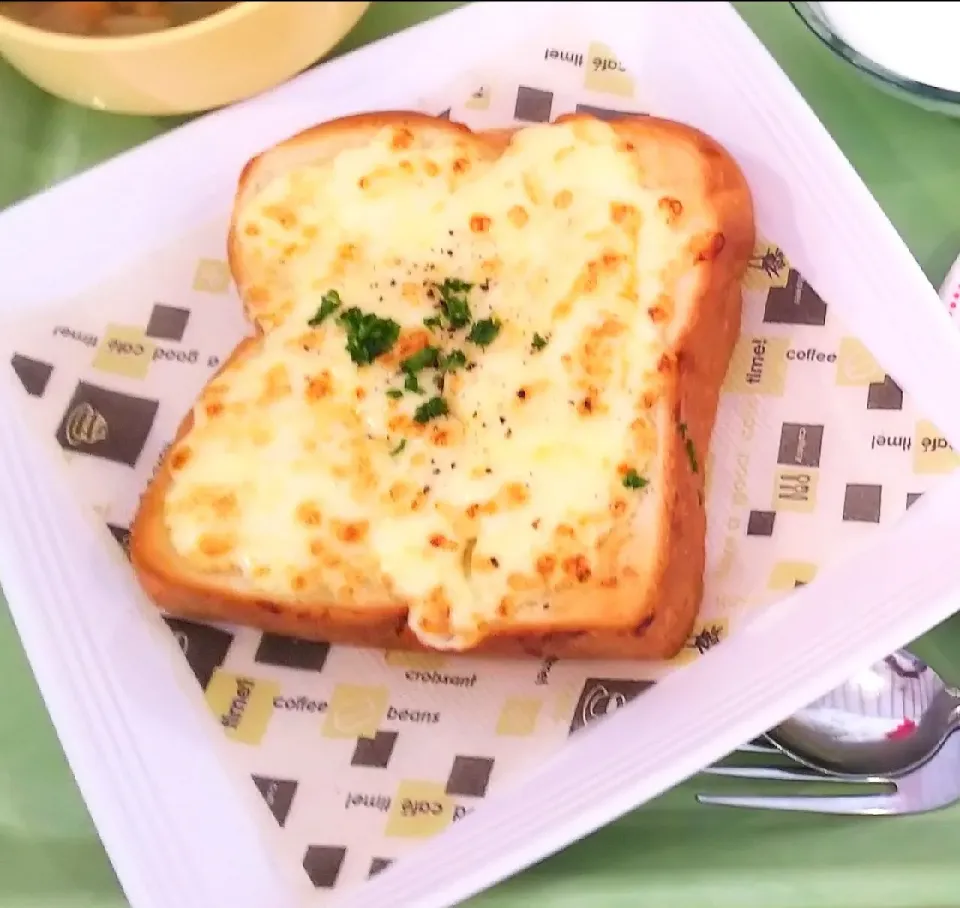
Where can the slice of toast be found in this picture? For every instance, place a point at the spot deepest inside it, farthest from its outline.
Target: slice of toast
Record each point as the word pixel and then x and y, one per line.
pixel 478 400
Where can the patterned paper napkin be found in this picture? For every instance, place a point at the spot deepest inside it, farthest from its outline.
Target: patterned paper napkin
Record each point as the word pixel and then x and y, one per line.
pixel 361 754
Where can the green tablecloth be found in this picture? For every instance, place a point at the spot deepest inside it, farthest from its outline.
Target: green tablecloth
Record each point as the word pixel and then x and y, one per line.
pixel 672 853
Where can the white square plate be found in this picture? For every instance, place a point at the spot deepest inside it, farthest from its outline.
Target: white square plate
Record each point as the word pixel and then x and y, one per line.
pixel 115 291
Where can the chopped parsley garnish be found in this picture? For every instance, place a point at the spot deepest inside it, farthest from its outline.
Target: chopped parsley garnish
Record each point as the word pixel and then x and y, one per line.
pixel 452 296
pixel 368 336
pixel 688 444
pixel 539 342
pixel 457 310
pixel 425 358
pixel 633 480
pixel 433 408
pixel 484 332
pixel 399 447
pixel 454 303
pixel 454 360
pixel 394 393
pixel 329 303
pixel 455 285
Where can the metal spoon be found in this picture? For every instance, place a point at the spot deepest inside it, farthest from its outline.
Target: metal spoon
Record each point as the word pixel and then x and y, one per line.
pixel 884 722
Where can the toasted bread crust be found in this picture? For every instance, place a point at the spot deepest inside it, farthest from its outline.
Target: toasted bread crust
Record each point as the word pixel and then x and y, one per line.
pixel 676 157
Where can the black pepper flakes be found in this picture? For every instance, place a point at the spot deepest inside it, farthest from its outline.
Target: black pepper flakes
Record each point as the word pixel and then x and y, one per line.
pixel 495 562
pixel 522 394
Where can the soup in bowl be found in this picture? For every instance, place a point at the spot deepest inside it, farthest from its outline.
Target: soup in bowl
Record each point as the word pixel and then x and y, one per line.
pixel 108 19
pixel 168 58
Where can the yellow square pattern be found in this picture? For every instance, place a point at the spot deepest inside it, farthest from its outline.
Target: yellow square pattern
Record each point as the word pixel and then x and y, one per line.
pixel 856 366
pixel 769 267
pixel 242 704
pixel 795 489
pixel 758 366
pixel 565 702
pixel 518 716
pixel 787 574
pixel 424 662
pixel 604 72
pixel 211 276
pixel 932 453
pixel 480 99
pixel 124 350
pixel 707 634
pixel 355 711
pixel 419 810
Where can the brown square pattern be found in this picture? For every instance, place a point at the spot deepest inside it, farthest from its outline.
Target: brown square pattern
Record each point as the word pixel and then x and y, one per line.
pixel 470 776
pixel 33 374
pixel 861 503
pixel 884 395
pixel 605 113
pixel 795 304
pixel 602 697
pixel 278 793
pixel 761 523
pixel 122 535
pixel 103 423
pixel 533 105
pixel 378 864
pixel 204 646
pixel 289 652
pixel 800 445
pixel 374 752
pixel 322 864
pixel 167 322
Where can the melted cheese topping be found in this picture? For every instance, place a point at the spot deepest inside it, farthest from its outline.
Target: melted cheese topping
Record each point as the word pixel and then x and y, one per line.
pixel 306 476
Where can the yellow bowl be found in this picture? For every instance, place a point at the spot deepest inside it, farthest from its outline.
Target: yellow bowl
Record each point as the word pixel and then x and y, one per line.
pixel 226 57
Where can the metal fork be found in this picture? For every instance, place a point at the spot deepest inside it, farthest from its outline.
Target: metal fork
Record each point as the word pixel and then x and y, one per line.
pixel 934 785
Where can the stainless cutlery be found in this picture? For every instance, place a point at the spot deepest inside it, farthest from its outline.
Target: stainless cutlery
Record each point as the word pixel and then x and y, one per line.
pixel 889 728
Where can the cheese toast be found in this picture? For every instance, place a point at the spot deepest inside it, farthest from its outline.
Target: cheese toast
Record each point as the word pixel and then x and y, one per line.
pixel 476 405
